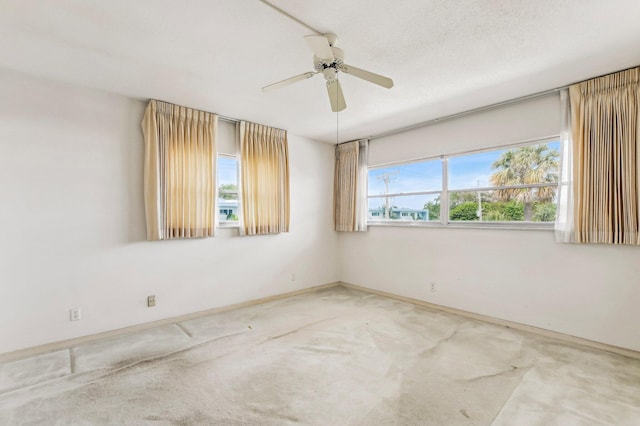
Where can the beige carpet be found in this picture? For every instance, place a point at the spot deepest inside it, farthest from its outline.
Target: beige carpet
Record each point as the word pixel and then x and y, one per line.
pixel 332 357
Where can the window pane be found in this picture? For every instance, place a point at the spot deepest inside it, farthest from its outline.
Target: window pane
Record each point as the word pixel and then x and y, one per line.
pixel 516 166
pixel 227 173
pixel 404 178
pixel 228 208
pixel 410 208
pixel 507 205
pixel 227 188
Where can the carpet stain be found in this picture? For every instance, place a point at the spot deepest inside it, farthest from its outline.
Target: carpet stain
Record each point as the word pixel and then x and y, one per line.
pixel 322 349
pixel 511 371
pixel 288 333
pixel 196 418
pixel 275 415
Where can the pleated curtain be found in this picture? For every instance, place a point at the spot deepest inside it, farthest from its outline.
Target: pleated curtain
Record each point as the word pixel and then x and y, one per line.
pixel 179 171
pixel 350 187
pixel 605 129
pixel 264 179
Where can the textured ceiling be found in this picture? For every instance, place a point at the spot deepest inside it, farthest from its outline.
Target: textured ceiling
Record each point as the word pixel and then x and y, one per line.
pixel 444 56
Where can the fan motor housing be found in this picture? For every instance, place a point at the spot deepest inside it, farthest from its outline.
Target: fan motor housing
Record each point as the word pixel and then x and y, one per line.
pixel 320 64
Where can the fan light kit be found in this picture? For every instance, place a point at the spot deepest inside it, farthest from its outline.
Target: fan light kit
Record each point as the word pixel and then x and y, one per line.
pixel 329 60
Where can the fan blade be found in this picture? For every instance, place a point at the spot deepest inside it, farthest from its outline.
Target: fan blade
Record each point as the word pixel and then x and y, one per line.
pixel 289 81
pixel 335 96
pixel 367 75
pixel 320 46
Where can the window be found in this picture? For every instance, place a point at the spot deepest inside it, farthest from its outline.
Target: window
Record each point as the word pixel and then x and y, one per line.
pixel 508 185
pixel 227 190
pixel 403 192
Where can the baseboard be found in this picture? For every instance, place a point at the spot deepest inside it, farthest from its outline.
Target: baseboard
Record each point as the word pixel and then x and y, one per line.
pixel 64 344
pixel 566 338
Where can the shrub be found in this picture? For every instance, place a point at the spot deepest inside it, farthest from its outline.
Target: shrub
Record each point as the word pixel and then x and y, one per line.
pixel 464 211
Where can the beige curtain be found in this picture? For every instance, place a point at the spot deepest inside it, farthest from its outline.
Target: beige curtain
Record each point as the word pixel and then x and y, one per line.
pixel 605 114
pixel 179 171
pixel 264 179
pixel 350 187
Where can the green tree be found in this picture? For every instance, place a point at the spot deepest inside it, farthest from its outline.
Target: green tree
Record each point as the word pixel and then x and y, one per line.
pixel 522 166
pixel 544 212
pixel 223 191
pixel 433 207
pixel 457 198
pixel 464 211
pixel 503 211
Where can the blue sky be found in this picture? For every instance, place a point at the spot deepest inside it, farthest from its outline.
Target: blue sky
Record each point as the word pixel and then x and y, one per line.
pixel 227 170
pixel 467 171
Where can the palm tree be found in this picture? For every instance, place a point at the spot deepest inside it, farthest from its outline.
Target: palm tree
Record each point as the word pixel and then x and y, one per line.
pixel 524 166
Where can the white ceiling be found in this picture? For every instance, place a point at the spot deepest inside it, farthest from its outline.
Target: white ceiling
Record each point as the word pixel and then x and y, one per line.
pixel 444 56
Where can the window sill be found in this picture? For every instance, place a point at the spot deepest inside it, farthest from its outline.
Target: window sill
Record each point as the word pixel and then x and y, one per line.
pixel 405 224
pixel 524 226
pixel 229 225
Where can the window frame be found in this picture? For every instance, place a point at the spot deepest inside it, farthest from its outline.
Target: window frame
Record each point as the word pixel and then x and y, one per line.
pixel 400 194
pixel 227 223
pixel 444 192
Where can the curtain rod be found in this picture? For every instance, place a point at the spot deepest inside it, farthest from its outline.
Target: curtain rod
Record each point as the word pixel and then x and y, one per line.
pixel 228 119
pixel 224 117
pixel 237 120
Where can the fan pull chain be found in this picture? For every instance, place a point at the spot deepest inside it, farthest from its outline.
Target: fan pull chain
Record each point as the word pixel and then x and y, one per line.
pixel 337 112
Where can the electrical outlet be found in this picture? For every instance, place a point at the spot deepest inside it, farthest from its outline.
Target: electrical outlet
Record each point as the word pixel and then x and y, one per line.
pixel 75 314
pixel 433 287
pixel 293 276
pixel 151 300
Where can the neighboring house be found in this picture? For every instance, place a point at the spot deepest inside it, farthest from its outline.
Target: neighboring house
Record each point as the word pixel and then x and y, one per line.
pixel 399 213
pixel 228 209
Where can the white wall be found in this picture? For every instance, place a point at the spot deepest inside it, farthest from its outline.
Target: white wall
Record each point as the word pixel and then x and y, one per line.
pixel 74 235
pixel 519 122
pixel 523 276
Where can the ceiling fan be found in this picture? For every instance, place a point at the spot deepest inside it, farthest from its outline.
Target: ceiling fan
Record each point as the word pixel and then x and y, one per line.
pixel 329 60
